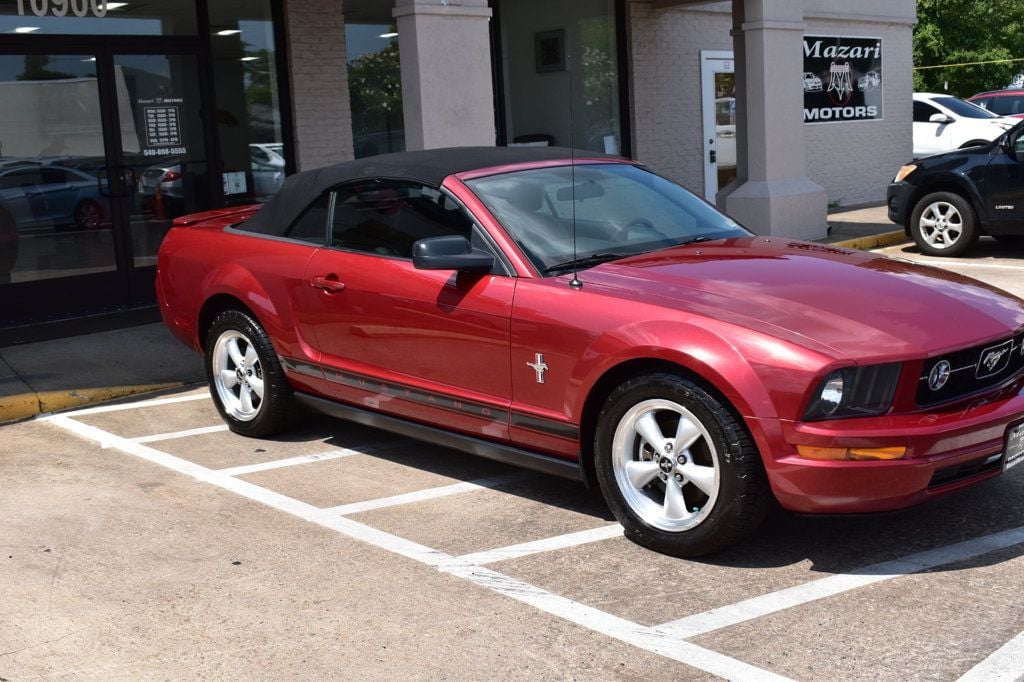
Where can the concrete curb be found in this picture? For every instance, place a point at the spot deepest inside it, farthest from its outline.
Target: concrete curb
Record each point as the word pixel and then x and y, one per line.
pixel 874 241
pixel 25 405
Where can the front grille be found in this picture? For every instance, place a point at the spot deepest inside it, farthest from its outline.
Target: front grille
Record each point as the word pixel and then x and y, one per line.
pixel 972 370
pixel 966 470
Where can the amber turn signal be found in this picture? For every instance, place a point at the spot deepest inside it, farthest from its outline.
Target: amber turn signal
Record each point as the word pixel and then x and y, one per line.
pixel 904 172
pixel 810 452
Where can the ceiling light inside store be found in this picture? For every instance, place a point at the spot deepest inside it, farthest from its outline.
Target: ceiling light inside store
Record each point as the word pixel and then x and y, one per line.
pixel 229 32
pixel 116 5
pixel 248 59
pixel 26 29
pixel 90 59
pixel 388 35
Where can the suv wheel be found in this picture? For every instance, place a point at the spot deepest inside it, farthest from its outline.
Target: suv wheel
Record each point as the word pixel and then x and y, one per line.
pixel 944 224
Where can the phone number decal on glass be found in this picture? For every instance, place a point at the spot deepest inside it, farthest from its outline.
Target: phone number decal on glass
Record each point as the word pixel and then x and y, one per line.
pixel 164 151
pixel 61 8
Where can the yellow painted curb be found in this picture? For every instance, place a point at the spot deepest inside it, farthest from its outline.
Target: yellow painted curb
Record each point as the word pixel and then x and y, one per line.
pixel 26 405
pixel 874 241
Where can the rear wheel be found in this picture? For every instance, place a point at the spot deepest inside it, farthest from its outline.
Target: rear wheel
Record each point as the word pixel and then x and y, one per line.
pixel 677 468
pixel 944 224
pixel 247 382
pixel 88 215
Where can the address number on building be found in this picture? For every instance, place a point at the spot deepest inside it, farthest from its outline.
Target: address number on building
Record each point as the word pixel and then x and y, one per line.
pixel 61 8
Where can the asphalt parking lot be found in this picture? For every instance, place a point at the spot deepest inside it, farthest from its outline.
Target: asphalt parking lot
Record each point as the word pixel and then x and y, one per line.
pixel 144 540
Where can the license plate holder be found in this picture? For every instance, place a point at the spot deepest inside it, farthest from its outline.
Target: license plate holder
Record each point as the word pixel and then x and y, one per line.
pixel 1013 450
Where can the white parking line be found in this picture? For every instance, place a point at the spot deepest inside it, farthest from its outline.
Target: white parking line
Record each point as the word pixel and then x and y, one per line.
pixel 171 435
pixel 605 623
pixel 156 402
pixel 290 461
pixel 588 617
pixel 766 604
pixel 971 264
pixel 1006 664
pixel 430 493
pixel 582 537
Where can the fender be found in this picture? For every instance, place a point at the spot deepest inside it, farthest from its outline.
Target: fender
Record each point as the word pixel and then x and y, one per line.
pixel 735 361
pixel 945 179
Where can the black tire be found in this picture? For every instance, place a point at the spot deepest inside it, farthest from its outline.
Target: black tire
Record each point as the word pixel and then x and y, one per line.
pixel 954 236
pixel 88 215
pixel 272 412
pixel 741 499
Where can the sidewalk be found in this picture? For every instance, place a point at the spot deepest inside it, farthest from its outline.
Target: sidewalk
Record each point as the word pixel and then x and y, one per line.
pixel 864 227
pixel 80 370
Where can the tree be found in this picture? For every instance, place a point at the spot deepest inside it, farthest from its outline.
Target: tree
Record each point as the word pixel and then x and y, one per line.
pixel 958 31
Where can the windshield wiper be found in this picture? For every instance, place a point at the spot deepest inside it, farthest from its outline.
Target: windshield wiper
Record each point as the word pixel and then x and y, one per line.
pixel 696 240
pixel 586 261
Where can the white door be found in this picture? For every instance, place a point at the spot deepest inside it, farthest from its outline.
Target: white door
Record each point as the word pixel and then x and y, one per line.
pixel 718 98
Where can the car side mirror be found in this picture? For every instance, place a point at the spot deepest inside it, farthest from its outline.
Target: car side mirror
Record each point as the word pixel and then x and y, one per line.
pixel 940 118
pixel 450 253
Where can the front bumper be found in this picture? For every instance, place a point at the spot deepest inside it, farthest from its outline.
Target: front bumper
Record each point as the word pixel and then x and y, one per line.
pixel 948 448
pixel 898 199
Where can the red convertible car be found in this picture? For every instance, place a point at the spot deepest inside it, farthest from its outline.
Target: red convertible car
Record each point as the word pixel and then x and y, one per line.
pixel 589 318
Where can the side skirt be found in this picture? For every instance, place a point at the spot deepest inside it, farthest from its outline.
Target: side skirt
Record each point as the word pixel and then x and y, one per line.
pixel 456 441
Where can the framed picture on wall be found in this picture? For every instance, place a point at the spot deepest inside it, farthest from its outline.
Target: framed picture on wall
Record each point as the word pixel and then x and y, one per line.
pixel 549 50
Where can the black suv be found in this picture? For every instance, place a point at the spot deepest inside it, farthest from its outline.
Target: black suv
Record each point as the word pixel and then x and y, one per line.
pixel 947 201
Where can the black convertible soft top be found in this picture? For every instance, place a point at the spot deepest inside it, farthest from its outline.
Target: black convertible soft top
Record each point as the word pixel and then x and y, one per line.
pixel 429 167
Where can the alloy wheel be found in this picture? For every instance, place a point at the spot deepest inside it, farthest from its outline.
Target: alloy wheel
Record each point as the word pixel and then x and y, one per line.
pixel 238 375
pixel 666 465
pixel 941 225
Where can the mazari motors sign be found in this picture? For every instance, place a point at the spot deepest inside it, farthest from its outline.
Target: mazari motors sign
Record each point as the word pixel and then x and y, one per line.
pixel 842 79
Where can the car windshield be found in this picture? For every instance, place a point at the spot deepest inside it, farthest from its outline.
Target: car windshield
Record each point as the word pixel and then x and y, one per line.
pixel 620 210
pixel 962 108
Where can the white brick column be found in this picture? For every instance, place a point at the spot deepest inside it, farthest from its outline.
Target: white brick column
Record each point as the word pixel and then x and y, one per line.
pixel 447 90
pixel 772 193
pixel 319 82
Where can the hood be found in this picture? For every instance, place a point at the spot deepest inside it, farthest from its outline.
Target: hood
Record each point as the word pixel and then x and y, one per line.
pixel 858 304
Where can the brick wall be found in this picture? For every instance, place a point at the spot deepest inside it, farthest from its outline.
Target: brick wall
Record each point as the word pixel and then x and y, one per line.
pixel 319 82
pixel 665 49
pixel 853 161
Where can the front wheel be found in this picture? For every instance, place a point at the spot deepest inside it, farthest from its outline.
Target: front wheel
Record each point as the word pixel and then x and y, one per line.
pixel 677 468
pixel 247 382
pixel 944 224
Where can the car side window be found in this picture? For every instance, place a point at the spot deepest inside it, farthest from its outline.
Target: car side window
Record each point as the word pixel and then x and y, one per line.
pixel 386 217
pixel 312 224
pixel 924 111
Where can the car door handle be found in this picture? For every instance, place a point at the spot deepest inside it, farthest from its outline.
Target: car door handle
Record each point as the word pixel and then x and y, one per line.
pixel 329 283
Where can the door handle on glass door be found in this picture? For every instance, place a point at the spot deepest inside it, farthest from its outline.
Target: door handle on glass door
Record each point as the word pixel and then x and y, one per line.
pixel 329 283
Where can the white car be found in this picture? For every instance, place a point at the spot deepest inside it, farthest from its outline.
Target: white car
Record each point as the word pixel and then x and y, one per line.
pixel 869 81
pixel 943 123
pixel 811 82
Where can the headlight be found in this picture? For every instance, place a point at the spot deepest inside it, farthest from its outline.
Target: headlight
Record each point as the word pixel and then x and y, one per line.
pixel 905 171
pixel 854 392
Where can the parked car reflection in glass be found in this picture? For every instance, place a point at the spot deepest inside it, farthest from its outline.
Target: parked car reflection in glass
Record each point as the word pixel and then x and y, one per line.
pixel 35 197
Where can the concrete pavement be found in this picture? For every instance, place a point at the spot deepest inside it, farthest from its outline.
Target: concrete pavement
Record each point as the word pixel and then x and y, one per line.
pixel 49 376
pixel 863 227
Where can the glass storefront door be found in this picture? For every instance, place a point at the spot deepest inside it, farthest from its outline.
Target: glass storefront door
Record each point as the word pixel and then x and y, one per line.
pixel 163 162
pixel 718 98
pixel 98 153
